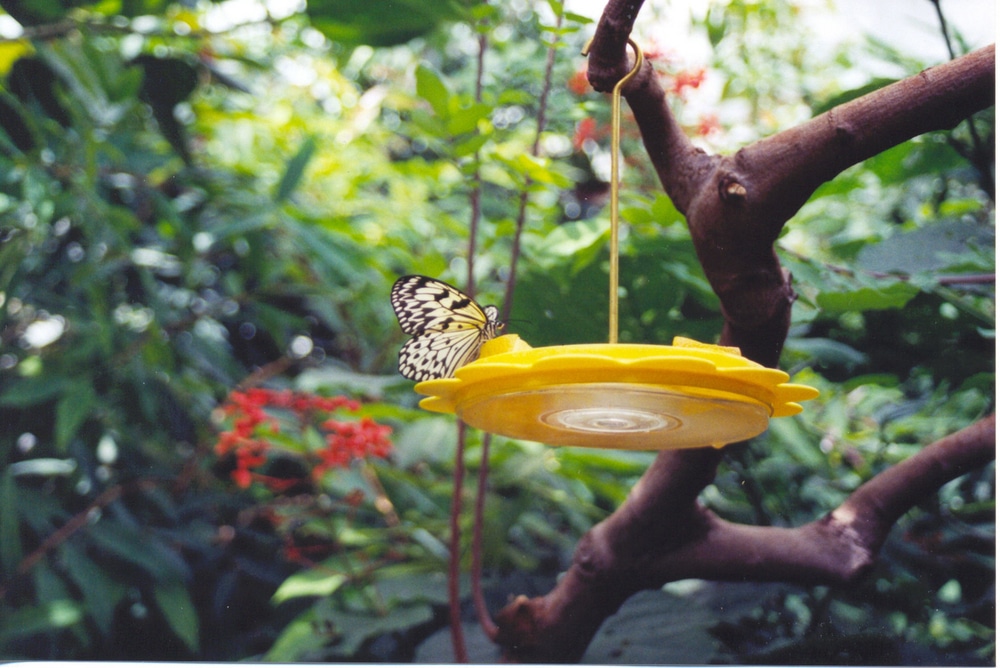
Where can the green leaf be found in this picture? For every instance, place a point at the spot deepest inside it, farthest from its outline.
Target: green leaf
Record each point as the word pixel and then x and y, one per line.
pixel 37 11
pixel 580 241
pixel 538 170
pixel 175 603
pixel 30 391
pixel 138 548
pixel 166 83
pixel 827 351
pixel 354 629
pixel 298 639
pixel 470 145
pixel 847 96
pixel 32 620
pixel 377 24
pixel 101 594
pixel 10 535
pixel 654 627
pixel 577 18
pixel 466 119
pixel 73 409
pixel 892 296
pixel 294 170
pixel 313 582
pixel 431 88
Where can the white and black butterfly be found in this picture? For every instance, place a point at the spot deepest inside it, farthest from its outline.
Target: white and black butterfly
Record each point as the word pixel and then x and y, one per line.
pixel 448 327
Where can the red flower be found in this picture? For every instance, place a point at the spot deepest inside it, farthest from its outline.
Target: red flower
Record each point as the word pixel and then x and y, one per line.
pixel 687 79
pixel 586 129
pixel 709 124
pixel 578 84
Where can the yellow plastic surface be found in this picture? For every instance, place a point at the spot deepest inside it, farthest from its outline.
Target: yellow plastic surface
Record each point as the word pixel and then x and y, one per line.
pixel 626 396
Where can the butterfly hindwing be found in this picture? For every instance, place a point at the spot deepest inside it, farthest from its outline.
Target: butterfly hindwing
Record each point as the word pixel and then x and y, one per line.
pixel 448 327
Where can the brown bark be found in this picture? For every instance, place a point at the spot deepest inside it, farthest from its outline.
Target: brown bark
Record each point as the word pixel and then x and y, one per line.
pixel 660 534
pixel 735 208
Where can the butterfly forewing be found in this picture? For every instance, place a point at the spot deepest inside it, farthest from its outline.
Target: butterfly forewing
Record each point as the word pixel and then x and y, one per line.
pixel 448 327
pixel 423 303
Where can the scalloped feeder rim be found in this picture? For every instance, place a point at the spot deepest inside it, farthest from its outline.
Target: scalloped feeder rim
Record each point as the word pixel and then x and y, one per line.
pixel 623 396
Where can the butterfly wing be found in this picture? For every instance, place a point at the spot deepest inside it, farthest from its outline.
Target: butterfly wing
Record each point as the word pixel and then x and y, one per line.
pixel 448 327
pixel 435 354
pixel 423 304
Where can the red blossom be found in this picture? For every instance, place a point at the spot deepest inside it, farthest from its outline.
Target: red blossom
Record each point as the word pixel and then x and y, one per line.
pixel 578 83
pixel 687 79
pixel 709 124
pixel 586 129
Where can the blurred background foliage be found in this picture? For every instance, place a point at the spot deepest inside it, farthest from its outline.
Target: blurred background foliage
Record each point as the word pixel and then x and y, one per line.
pixel 200 197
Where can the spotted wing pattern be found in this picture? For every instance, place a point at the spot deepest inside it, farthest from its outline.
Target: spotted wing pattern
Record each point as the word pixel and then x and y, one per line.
pixel 447 326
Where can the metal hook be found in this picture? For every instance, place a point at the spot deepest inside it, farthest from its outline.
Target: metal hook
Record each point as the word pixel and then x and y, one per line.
pixel 635 66
pixel 616 103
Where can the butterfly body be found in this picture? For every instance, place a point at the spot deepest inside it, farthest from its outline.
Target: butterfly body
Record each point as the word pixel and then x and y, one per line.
pixel 448 327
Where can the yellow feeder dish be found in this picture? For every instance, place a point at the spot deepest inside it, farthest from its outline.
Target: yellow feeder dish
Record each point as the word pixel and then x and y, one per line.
pixel 626 396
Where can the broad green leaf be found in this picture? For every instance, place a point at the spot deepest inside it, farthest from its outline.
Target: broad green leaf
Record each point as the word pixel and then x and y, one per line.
pixel 431 88
pixel 892 296
pixel 317 581
pixel 364 22
pixel 930 248
pixel 466 119
pixel 174 602
pixel 827 351
pixel 654 627
pixel 580 241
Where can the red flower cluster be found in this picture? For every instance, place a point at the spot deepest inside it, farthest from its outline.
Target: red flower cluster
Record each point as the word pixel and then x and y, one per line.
pixel 587 129
pixel 578 83
pixel 353 440
pixel 709 124
pixel 254 431
pixel 687 79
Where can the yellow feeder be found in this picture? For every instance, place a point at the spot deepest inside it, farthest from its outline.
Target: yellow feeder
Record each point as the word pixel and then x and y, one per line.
pixel 628 396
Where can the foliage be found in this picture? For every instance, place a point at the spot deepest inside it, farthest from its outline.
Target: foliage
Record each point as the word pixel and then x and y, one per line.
pixel 192 207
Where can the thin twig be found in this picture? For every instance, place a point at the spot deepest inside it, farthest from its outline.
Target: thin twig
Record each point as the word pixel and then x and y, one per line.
pixel 455 552
pixel 455 547
pixel 978 157
pixel 478 599
pixel 75 523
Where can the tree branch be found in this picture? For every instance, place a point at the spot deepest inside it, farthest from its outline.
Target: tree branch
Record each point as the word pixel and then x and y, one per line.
pixel 735 207
pixel 660 534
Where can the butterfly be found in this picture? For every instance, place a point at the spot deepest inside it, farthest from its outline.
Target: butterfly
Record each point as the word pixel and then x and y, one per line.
pixel 448 327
